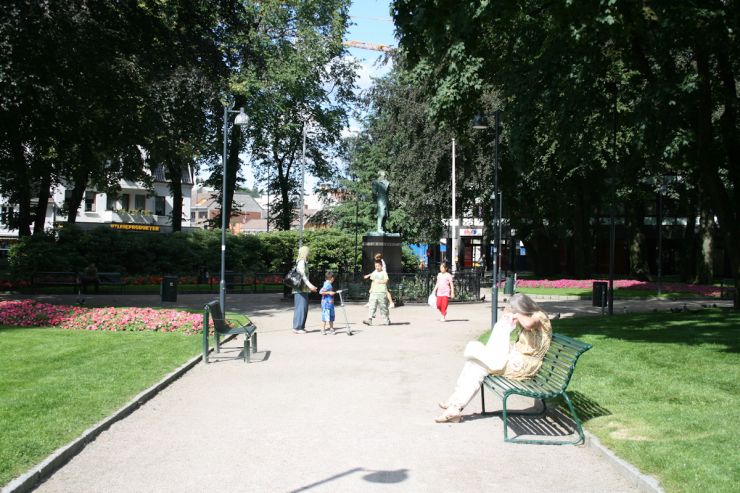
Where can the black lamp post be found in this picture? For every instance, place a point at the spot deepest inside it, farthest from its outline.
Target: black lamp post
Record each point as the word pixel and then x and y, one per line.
pixel 240 120
pixel 479 123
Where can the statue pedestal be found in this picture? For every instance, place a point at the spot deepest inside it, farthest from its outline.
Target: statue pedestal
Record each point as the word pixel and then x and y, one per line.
pixel 386 244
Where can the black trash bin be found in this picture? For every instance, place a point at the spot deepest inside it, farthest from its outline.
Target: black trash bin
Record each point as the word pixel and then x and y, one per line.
pixel 598 298
pixel 509 286
pixel 168 290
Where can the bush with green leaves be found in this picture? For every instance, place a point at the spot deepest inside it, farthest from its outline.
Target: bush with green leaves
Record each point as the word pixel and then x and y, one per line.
pixel 72 249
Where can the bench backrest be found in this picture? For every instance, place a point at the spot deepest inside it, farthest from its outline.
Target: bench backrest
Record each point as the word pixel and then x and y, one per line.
pixel 219 323
pixel 559 362
pixel 52 277
pixel 114 277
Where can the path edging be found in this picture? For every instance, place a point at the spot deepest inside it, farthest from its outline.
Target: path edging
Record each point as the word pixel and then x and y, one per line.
pixel 643 482
pixel 29 480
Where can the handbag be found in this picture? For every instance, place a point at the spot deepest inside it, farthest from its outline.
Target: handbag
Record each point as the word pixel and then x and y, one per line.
pixel 293 278
pixel 432 300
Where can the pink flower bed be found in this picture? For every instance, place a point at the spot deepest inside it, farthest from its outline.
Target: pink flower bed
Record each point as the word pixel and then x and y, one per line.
pixel 666 287
pixel 29 313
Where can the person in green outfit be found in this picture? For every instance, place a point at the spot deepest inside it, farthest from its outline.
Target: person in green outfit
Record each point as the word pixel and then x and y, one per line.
pixel 378 294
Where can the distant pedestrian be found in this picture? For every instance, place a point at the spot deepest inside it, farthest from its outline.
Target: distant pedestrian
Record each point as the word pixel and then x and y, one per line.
pixel 300 295
pixel 327 304
pixel 378 292
pixel 444 289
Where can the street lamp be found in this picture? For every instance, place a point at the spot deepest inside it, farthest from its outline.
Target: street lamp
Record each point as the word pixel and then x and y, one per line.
pixel 303 181
pixel 479 123
pixel 241 120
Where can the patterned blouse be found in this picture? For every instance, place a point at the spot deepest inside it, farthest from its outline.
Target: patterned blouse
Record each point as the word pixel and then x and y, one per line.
pixel 526 354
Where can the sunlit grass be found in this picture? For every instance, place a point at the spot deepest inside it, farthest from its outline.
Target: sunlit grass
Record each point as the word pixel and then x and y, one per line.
pixel 56 383
pixel 662 391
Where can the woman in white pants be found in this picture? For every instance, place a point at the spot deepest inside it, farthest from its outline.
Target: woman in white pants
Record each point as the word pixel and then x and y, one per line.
pixel 517 361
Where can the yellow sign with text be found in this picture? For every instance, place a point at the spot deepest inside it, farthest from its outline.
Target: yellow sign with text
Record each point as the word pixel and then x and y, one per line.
pixel 135 227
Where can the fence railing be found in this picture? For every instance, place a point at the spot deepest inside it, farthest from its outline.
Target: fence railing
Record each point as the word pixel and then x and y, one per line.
pixel 406 287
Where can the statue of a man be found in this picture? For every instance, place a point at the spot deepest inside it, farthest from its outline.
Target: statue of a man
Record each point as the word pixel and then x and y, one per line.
pixel 380 194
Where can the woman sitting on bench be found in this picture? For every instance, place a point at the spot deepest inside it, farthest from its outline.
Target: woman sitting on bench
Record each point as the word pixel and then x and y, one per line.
pixel 499 356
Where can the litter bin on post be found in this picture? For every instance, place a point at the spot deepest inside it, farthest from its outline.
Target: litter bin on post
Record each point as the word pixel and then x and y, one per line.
pixel 168 290
pixel 509 286
pixel 598 298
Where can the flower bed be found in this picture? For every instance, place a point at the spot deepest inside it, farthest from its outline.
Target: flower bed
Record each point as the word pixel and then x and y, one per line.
pixel 675 287
pixel 29 313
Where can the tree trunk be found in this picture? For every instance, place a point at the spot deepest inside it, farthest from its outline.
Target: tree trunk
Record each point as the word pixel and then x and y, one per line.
pixel 43 204
pixel 688 250
pixel 77 195
pixel 581 237
pixel 634 212
pixel 175 176
pixel 723 204
pixel 22 193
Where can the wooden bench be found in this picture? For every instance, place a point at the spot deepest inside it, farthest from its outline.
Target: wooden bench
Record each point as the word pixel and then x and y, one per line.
pixel 103 279
pixel 232 279
pixel 44 279
pixel 223 327
pixel 550 381
pixel 112 279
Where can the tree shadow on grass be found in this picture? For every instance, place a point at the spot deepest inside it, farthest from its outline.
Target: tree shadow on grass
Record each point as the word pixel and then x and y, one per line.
pixel 719 327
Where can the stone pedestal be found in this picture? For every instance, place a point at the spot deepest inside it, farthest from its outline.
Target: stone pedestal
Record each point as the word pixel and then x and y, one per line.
pixel 388 245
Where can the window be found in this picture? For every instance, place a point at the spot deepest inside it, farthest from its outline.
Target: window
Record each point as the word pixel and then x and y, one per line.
pixel 7 215
pixel 140 202
pixel 202 214
pixel 90 201
pixel 125 202
pixel 110 202
pixel 159 206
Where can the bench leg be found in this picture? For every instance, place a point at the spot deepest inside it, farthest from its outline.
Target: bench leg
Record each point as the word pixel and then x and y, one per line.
pixel 247 349
pixel 254 342
pixel 205 345
pixel 579 429
pixel 482 399
pixel 218 343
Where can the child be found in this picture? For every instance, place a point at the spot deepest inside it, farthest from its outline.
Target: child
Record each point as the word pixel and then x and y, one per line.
pixel 378 294
pixel 444 289
pixel 379 258
pixel 327 303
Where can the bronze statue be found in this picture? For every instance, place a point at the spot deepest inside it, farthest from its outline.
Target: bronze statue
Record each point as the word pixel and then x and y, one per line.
pixel 380 194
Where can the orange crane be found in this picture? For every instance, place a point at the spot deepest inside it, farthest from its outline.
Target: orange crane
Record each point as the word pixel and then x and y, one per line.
pixel 369 46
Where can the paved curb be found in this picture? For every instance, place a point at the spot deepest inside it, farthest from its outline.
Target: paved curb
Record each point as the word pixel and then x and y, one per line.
pixel 39 473
pixel 643 482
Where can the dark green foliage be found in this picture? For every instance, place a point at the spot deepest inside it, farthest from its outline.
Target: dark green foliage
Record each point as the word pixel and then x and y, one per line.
pixel 182 253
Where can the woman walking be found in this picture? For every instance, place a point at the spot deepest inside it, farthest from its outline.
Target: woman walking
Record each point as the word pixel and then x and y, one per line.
pixel 444 289
pixel 300 295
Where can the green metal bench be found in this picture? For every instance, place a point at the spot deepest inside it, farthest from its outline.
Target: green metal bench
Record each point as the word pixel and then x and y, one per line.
pixel 223 328
pixel 550 381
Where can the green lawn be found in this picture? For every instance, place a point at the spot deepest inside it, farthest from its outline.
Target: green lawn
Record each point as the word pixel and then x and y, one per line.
pixel 54 384
pixel 662 391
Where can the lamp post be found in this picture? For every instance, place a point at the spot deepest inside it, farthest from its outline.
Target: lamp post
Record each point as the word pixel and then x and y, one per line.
pixel 241 119
pixel 453 222
pixel 303 180
pixel 481 123
pixel 612 226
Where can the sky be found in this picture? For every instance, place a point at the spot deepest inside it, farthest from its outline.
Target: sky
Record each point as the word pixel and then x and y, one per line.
pixel 370 23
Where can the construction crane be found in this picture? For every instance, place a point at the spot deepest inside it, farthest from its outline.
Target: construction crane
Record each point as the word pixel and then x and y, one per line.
pixel 369 46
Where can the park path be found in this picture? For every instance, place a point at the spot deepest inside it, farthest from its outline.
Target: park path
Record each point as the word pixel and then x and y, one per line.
pixel 327 413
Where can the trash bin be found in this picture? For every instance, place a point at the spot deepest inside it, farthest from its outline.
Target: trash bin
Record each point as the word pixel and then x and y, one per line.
pixel 168 291
pixel 509 286
pixel 598 298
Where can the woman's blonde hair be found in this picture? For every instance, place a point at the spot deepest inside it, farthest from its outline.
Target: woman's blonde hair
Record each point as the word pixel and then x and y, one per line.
pixel 521 303
pixel 303 253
